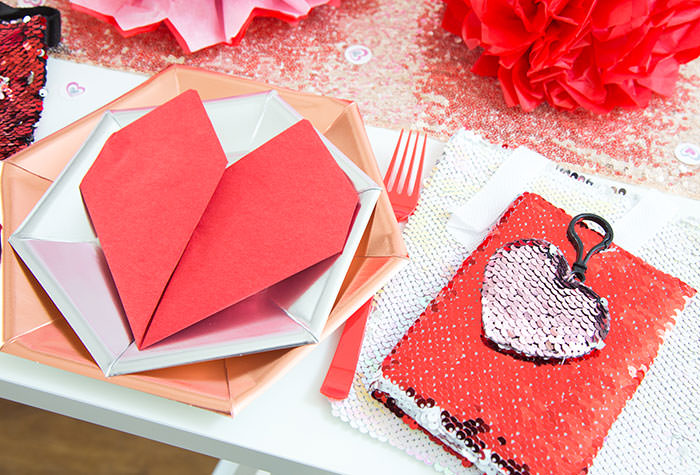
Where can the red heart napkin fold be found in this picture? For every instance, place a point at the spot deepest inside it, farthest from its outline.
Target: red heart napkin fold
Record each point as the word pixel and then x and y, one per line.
pixel 145 194
pixel 277 211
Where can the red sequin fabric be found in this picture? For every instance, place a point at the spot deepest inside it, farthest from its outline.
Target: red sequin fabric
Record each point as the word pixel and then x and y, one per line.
pixel 508 415
pixel 22 79
pixel 419 76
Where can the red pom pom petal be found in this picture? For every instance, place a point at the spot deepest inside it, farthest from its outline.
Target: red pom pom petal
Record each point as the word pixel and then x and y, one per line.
pixel 591 54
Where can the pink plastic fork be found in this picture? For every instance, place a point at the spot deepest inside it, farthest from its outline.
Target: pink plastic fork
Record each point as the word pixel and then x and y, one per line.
pixel 403 191
pixel 403 200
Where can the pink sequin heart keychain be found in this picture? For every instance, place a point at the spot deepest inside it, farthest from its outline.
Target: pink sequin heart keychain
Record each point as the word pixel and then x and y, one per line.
pixel 535 305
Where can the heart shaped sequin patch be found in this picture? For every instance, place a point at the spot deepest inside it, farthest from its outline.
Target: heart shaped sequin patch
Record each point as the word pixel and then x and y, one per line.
pixel 533 304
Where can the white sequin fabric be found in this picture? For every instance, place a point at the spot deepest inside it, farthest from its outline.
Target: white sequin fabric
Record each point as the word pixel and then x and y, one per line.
pixel 658 431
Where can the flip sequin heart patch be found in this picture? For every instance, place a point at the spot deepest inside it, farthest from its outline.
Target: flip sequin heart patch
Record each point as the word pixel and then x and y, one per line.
pixel 535 305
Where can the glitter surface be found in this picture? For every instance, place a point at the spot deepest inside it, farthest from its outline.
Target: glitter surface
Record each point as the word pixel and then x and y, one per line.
pixel 419 76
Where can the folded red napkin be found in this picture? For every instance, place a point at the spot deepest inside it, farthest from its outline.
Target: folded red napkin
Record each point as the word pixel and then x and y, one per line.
pixel 508 414
pixel 186 237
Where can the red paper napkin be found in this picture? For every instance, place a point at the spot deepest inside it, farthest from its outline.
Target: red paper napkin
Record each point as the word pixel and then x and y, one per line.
pixel 145 194
pixel 185 237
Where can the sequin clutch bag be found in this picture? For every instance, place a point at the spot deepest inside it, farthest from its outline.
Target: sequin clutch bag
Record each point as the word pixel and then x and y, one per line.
pixel 25 35
pixel 512 415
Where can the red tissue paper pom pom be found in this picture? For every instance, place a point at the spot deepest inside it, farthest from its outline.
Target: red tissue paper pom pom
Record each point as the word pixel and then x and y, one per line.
pixel 580 53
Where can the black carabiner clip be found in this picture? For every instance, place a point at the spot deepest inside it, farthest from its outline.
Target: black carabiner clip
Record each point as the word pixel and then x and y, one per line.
pixel 579 267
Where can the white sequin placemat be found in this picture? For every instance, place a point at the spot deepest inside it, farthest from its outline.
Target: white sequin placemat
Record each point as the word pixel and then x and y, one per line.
pixel 657 432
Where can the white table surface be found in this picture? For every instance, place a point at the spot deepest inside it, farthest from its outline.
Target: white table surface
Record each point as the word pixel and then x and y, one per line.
pixel 289 429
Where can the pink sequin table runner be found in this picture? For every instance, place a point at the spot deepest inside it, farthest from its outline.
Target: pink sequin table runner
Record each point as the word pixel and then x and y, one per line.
pixel 418 76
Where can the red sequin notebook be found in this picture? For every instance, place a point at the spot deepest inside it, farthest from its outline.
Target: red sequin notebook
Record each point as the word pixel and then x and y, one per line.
pixel 513 415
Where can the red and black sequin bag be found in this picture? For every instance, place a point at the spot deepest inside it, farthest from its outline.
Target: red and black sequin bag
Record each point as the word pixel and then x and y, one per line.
pixel 25 35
